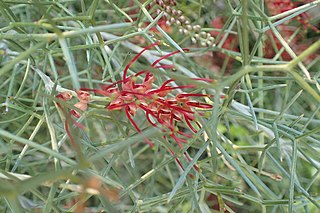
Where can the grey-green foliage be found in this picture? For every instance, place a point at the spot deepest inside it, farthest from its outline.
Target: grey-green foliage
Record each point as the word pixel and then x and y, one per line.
pixel 257 149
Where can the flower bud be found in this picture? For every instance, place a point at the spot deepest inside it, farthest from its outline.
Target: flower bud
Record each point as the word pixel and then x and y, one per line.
pixel 203 35
pixel 168 9
pixel 196 28
pixel 174 12
pixel 189 27
pixel 209 43
pixel 182 19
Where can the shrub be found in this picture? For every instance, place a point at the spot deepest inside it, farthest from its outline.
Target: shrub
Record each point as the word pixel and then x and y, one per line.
pixel 159 106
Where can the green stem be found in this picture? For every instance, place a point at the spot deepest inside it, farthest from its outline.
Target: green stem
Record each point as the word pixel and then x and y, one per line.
pixel 245 33
pixel 314 47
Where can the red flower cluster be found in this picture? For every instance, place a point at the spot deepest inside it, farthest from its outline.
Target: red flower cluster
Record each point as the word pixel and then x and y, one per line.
pixel 231 43
pixel 279 6
pixel 276 7
pixel 286 30
pixel 160 111
pixel 131 95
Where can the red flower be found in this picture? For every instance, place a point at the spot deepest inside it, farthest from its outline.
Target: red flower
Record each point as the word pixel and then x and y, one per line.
pixel 276 7
pixel 84 99
pixel 230 43
pixel 286 30
pixel 161 111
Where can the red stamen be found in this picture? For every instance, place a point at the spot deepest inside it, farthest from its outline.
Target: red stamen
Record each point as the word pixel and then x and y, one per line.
pixel 164 111
pixel 189 159
pixel 105 87
pixel 167 82
pixel 66 126
pixel 117 106
pixel 136 127
pixel 175 107
pixel 166 66
pixel 100 91
pixel 168 55
pixel 141 72
pixel 189 124
pixel 161 121
pixel 177 160
pixel 164 122
pixel 178 140
pixel 134 93
pixel 199 105
pixel 149 120
pixel 177 116
pixel 148 76
pixel 79 125
pixel 171 119
pixel 172 101
pixel 136 58
pixel 148 112
pixel 198 124
pixel 75 113
pixel 167 88
pixel 185 134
